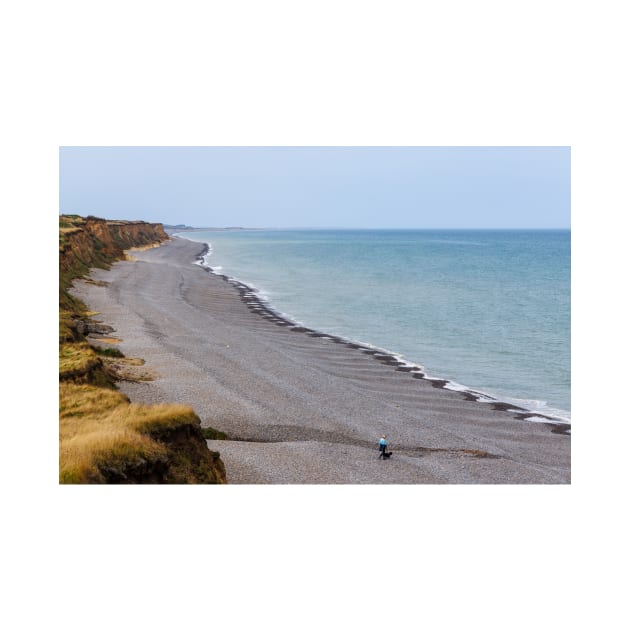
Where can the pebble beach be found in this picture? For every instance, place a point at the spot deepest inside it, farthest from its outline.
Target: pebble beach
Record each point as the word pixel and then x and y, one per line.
pixel 300 406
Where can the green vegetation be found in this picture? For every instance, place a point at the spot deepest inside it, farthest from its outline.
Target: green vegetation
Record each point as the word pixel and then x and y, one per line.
pixel 108 352
pixel 213 434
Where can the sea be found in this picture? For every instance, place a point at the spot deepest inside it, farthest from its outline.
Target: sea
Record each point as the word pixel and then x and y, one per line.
pixel 486 310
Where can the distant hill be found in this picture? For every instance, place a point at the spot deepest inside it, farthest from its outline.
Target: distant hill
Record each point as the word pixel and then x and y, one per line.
pixel 179 226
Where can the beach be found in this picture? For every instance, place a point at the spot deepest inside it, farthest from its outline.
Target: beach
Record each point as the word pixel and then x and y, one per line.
pixel 300 406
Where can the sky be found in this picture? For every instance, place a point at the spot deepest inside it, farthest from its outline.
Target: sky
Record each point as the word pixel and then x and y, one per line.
pixel 337 187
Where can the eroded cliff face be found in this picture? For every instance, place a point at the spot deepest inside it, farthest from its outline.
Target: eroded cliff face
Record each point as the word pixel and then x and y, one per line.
pixel 93 242
pixel 174 450
pixel 187 460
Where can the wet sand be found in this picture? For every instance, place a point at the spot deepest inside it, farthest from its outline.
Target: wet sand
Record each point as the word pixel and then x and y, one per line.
pixel 299 406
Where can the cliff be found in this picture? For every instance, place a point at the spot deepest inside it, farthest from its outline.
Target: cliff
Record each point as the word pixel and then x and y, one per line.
pixel 94 242
pixel 103 437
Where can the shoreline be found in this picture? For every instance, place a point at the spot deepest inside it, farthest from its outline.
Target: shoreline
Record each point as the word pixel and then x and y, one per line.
pixel 250 295
pixel 306 408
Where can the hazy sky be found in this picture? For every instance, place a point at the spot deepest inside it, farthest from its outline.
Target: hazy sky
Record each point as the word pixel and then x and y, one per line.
pixel 364 187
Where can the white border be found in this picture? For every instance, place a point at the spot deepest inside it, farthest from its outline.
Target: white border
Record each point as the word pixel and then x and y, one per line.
pixel 243 73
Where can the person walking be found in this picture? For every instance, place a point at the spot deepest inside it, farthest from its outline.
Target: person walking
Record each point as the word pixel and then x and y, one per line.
pixel 382 445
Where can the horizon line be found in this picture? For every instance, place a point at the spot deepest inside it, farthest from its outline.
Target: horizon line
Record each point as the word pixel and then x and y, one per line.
pixel 310 227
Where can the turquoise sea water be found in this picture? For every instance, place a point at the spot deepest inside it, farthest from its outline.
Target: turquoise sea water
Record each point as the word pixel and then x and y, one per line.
pixel 488 310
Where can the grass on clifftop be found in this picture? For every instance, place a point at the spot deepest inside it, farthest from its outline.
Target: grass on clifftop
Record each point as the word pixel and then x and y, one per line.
pixel 76 358
pixel 100 429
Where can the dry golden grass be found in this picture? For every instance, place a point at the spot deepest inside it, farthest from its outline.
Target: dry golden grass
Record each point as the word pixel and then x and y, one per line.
pixel 87 401
pixel 65 329
pixel 98 427
pixel 149 418
pixel 76 358
pixel 82 457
